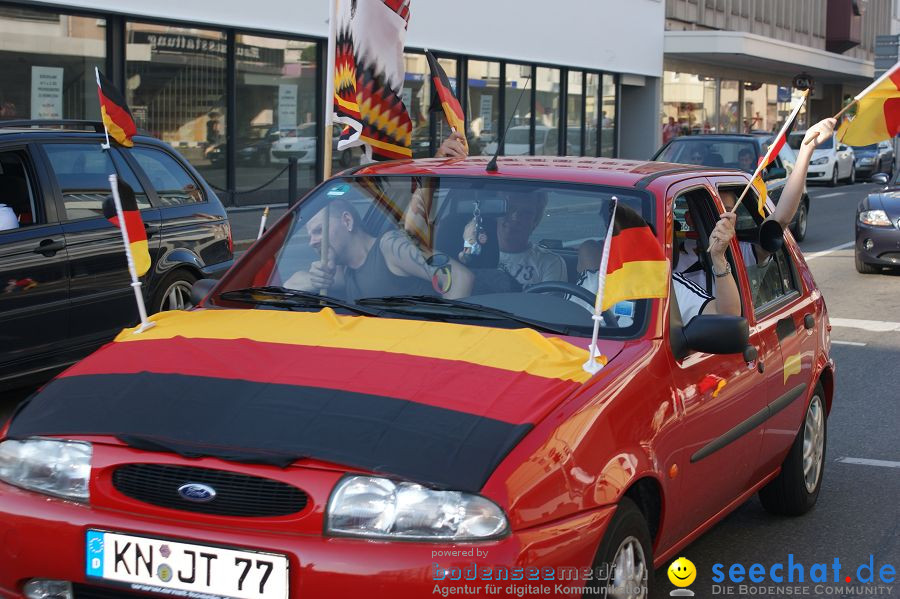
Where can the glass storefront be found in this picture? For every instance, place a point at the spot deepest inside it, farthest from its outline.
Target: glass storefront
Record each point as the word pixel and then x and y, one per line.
pixel 546 127
pixel 417 98
pixel 275 108
pixel 175 87
pixel 518 109
pixel 592 103
pixel 47 62
pixel 574 106
pixel 608 117
pixel 729 106
pixel 484 106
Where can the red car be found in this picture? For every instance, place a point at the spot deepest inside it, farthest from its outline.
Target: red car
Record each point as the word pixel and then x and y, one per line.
pixel 382 421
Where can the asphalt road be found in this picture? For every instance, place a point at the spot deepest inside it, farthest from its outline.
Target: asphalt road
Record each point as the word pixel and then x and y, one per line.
pixel 858 513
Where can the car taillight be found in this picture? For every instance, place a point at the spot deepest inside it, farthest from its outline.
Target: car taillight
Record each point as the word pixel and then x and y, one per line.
pixel 230 239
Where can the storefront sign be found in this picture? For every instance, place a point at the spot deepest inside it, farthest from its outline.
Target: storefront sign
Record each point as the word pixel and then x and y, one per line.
pixel 46 92
pixel 487 109
pixel 168 43
pixel 804 81
pixel 784 94
pixel 287 106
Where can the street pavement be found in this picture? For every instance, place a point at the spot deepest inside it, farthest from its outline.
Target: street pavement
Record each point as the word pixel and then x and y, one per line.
pixel 858 513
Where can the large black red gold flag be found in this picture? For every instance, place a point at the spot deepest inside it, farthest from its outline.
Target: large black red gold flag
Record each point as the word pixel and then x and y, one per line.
pixel 116 117
pixel 444 95
pixel 369 72
pixel 134 225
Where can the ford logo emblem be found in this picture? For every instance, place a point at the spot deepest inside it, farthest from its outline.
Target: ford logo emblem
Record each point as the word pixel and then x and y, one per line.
pixel 197 492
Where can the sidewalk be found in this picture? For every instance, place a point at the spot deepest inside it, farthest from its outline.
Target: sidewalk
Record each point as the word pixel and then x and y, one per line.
pixel 245 222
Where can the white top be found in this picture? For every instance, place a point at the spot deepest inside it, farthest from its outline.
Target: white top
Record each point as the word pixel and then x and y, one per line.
pixel 692 298
pixel 8 218
pixel 534 265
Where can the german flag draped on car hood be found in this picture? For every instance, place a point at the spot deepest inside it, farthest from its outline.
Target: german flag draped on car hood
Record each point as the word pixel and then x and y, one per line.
pixel 439 403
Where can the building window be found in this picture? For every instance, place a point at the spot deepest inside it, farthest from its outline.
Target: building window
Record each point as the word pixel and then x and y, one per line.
pixel 417 99
pixel 729 106
pixel 592 101
pixel 47 62
pixel 689 105
pixel 546 127
pixel 275 109
pixel 517 112
pixel 608 116
pixel 574 106
pixel 175 86
pixel 484 105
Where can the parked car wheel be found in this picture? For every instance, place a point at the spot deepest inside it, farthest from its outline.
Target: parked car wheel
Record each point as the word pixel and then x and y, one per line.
pixel 174 292
pixel 852 178
pixel 795 490
pixel 802 221
pixel 864 267
pixel 346 158
pixel 626 549
pixel 834 177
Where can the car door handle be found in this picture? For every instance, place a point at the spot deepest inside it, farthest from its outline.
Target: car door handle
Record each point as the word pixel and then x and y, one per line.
pixel 151 229
pixel 49 247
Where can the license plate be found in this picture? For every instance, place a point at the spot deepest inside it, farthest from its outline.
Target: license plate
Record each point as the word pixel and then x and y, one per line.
pixel 185 569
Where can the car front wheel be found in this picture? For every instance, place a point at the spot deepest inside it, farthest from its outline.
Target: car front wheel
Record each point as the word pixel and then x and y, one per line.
pixel 834 177
pixel 799 227
pixel 624 557
pixel 864 268
pixel 796 488
pixel 174 292
pixel 852 178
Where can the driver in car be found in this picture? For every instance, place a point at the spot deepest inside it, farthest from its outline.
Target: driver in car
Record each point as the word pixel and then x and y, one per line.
pixel 526 262
pixel 359 265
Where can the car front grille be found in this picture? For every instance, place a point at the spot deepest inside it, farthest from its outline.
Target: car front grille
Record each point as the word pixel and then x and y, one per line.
pixel 239 495
pixel 891 257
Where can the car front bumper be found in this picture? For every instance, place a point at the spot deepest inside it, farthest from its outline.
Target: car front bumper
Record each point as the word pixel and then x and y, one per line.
pixel 885 250
pixel 819 173
pixel 45 538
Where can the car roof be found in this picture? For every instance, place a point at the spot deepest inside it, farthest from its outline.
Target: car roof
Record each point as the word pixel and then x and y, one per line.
pixel 599 171
pixel 719 137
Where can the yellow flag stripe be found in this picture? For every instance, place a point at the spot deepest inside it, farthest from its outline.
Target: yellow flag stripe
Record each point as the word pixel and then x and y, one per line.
pixel 116 132
pixel 140 253
pixel 792 366
pixel 760 188
pixel 518 350
pixel 640 279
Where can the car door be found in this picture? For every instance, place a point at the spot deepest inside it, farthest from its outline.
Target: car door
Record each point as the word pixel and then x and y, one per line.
pixel 34 275
pixel 719 398
pixel 102 300
pixel 845 160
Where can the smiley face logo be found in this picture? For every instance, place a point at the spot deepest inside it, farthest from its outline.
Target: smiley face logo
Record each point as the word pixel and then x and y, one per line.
pixel 682 572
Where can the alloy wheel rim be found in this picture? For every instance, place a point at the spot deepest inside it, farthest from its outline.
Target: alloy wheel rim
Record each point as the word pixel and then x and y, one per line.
pixel 629 571
pixel 813 443
pixel 177 297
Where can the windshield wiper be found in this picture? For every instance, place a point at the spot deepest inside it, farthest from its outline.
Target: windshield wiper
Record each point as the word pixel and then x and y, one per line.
pixel 448 307
pixel 273 295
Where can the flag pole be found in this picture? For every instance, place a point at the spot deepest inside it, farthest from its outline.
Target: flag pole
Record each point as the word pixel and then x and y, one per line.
pixel 329 122
pixel 135 282
pixel 593 365
pixel 100 89
pixel 262 222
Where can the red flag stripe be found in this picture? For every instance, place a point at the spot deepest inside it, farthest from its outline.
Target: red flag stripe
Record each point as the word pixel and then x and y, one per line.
pixel 133 224
pixel 634 244
pixel 520 397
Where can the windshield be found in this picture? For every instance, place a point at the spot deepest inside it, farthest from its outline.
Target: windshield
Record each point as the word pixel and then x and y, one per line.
pixel 478 248
pixel 868 148
pixel 795 139
pixel 730 153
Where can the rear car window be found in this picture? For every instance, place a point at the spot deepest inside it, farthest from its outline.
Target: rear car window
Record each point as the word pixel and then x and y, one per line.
pixel 706 152
pixel 82 172
pixel 173 184
pixel 17 207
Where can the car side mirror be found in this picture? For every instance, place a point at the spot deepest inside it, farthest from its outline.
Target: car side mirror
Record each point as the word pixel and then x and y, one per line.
pixel 200 289
pixel 774 173
pixel 880 178
pixel 717 334
pixel 842 148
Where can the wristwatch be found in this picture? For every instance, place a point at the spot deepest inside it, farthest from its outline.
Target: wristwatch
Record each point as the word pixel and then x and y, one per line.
pixel 724 273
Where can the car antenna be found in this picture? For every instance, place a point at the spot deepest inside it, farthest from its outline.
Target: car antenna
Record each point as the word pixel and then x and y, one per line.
pixel 492 165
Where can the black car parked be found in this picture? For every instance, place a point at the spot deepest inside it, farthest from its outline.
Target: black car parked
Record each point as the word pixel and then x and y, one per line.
pixel 64 283
pixel 740 151
pixel 874 158
pixel 878 227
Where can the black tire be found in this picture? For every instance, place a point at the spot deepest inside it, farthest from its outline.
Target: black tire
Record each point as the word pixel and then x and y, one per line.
pixel 628 528
pixel 864 268
pixel 346 158
pixel 834 177
pixel 798 229
pixel 793 492
pixel 177 282
pixel 852 179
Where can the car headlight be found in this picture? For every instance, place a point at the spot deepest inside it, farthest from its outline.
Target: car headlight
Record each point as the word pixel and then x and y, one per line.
pixel 368 506
pixel 876 218
pixel 59 468
pixel 822 160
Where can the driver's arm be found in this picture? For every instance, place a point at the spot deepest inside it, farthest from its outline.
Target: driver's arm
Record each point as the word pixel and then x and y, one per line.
pixel 403 258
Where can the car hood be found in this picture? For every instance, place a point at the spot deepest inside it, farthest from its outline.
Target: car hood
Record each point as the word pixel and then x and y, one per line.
pixel 818 153
pixel 865 153
pixel 435 402
pixel 889 201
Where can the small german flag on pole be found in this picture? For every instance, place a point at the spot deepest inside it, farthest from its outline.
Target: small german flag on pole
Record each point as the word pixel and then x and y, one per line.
pixel 133 228
pixel 452 108
pixel 117 119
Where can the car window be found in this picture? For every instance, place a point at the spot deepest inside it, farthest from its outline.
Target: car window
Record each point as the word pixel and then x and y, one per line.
pixel 706 152
pixel 82 172
pixel 771 280
pixel 173 184
pixel 17 203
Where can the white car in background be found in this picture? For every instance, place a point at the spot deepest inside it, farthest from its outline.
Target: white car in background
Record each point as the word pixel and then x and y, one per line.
pixel 301 142
pixel 831 161
pixel 546 141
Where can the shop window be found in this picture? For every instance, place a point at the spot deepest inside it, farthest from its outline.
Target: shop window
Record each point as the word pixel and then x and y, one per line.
pixel 546 138
pixel 47 62
pixel 608 116
pixel 592 103
pixel 175 87
pixel 574 106
pixel 484 106
pixel 519 88
pixel 417 99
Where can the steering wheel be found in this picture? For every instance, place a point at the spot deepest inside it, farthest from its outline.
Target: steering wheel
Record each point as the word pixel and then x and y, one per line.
pixel 609 319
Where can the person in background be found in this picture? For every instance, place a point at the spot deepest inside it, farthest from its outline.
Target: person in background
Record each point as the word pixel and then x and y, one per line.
pixel 745 161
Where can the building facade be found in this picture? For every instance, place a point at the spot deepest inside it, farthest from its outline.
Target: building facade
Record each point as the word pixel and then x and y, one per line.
pixel 230 85
pixel 736 65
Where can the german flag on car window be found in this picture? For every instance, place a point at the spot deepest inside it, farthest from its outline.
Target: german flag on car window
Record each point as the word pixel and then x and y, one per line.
pixel 116 117
pixel 137 235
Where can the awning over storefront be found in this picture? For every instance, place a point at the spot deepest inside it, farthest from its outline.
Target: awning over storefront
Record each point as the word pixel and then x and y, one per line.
pixel 768 58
